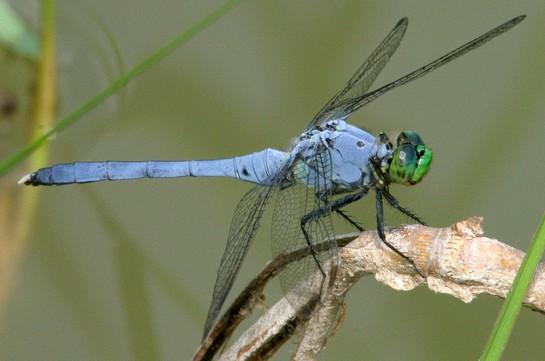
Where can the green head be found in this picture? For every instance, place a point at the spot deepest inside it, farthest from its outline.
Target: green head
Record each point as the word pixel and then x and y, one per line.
pixel 411 159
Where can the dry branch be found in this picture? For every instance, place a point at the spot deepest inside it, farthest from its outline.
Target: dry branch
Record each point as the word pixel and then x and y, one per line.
pixel 457 260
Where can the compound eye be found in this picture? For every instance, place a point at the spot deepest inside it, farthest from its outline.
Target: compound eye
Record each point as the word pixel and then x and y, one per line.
pixel 402 157
pixel 420 151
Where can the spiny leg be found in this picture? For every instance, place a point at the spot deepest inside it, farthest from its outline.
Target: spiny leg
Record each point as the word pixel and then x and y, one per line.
pixel 322 211
pixel 312 250
pixel 395 204
pixel 380 230
pixel 382 177
pixel 347 218
pixel 343 214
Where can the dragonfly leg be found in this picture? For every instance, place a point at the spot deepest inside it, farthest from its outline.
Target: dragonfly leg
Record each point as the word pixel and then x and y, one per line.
pixel 382 177
pixel 347 218
pixel 312 250
pixel 380 230
pixel 329 206
pixel 395 204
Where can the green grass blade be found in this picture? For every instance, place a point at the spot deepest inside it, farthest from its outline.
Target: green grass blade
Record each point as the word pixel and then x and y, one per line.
pixel 119 83
pixel 511 307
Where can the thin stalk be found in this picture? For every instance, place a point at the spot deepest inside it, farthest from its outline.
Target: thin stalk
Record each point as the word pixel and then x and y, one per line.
pixel 511 307
pixel 43 114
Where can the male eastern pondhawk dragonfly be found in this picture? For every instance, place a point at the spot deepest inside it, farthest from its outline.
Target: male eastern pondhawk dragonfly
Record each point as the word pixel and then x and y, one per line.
pixel 330 165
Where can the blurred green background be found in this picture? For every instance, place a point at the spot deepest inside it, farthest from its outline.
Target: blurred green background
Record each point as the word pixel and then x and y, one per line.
pixel 126 270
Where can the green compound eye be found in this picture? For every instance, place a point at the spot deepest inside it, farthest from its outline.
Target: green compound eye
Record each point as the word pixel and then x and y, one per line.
pixel 411 159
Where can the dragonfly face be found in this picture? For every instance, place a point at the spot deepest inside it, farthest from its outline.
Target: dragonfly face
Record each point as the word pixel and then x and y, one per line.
pixel 411 159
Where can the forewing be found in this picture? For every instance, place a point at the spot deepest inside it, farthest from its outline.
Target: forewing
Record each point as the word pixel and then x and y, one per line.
pixel 302 280
pixel 366 74
pixel 350 105
pixel 243 227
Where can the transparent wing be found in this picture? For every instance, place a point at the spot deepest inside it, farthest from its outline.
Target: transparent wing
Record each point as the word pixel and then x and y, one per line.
pixel 244 225
pixel 298 204
pixel 366 74
pixel 350 105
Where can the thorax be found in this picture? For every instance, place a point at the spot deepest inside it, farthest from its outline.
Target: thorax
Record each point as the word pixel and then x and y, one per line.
pixel 339 154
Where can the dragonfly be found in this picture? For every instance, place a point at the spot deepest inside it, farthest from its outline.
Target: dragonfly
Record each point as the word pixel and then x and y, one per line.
pixel 330 165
